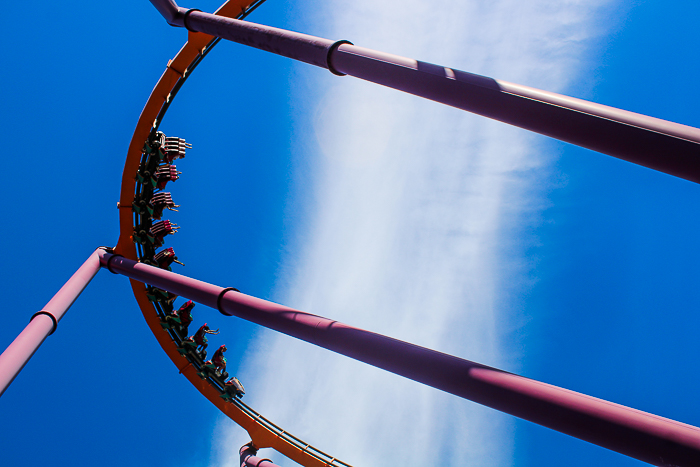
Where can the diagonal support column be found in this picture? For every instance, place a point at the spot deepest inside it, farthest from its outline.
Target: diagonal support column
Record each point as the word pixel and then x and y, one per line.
pixel 248 457
pixel 44 322
pixel 647 437
pixel 651 142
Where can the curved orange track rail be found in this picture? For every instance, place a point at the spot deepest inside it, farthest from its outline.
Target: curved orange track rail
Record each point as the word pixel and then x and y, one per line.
pixel 262 432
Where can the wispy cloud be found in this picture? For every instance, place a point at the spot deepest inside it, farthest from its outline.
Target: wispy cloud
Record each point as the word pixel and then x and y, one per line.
pixel 417 229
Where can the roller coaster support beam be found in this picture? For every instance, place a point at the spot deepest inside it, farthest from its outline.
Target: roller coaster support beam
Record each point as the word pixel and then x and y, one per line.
pixel 631 432
pixel 44 322
pixel 651 142
pixel 248 458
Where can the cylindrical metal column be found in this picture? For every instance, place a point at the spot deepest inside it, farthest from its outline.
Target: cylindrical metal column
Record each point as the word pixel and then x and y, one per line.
pixel 651 142
pixel 44 322
pixel 303 47
pixel 248 458
pixel 638 434
pixel 658 144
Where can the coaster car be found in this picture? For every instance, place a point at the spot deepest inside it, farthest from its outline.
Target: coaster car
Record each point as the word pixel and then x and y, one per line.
pixel 167 148
pixel 155 294
pixel 165 173
pixel 188 348
pixel 165 258
pixel 158 203
pixel 232 388
pixel 209 369
pixel 159 230
pixel 180 319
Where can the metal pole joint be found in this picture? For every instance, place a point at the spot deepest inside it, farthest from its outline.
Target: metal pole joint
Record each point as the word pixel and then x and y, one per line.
pixel 184 18
pixel 173 14
pixel 50 315
pixel 221 295
pixel 329 56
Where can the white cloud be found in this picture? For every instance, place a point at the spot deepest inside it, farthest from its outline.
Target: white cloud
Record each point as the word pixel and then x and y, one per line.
pixel 417 229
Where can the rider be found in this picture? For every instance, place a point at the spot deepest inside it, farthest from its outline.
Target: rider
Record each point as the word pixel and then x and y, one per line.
pixel 184 313
pixel 165 258
pixel 182 317
pixel 200 337
pixel 218 358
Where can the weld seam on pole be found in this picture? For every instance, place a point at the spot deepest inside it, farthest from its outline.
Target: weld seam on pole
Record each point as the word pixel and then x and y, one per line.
pixel 109 261
pixel 184 19
pixel 221 296
pixel 53 318
pixel 332 49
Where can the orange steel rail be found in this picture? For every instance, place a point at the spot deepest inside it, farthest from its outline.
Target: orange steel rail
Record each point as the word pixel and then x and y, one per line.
pixel 263 433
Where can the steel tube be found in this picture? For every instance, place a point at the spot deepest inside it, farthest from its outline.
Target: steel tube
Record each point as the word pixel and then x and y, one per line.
pixel 172 13
pixel 248 458
pixel 647 437
pixel 44 322
pixel 651 142
pixel 309 49
pixel 654 143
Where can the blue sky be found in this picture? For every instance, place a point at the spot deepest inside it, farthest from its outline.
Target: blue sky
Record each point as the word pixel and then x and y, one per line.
pixel 357 203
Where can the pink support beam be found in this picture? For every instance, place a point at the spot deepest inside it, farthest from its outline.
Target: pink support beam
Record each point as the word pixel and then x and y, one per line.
pixel 44 322
pixel 248 458
pixel 631 432
pixel 651 142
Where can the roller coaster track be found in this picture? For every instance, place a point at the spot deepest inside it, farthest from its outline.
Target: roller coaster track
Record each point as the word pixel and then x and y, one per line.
pixel 263 432
pixel 647 141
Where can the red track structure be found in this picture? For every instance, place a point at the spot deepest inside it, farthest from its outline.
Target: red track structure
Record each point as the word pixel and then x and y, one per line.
pixel 661 145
